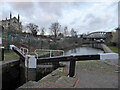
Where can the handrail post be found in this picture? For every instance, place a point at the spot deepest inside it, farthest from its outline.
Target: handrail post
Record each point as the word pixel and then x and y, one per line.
pixel 72 68
pixel 50 53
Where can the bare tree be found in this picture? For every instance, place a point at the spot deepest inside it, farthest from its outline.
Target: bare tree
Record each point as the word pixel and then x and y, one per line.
pixel 73 32
pixel 42 31
pixel 33 28
pixel 55 29
pixel 65 31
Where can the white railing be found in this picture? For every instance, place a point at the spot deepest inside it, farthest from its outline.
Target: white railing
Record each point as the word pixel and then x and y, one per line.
pixel 23 50
pixel 45 50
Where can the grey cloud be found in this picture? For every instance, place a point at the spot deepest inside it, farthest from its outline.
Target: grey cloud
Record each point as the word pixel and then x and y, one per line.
pixel 88 17
pixel 21 5
pixel 52 8
pixel 43 14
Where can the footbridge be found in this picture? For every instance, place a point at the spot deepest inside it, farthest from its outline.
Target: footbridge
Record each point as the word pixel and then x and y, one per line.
pixel 97 35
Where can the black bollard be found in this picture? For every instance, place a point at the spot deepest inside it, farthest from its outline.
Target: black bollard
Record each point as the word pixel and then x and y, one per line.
pixel 2 50
pixel 72 68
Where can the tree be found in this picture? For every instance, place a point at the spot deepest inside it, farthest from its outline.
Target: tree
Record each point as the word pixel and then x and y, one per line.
pixel 33 28
pixel 73 32
pixel 61 35
pixel 65 32
pixel 55 29
pixel 42 31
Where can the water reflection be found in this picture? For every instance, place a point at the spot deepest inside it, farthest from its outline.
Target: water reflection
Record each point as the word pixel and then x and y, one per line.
pixel 73 51
pixel 83 51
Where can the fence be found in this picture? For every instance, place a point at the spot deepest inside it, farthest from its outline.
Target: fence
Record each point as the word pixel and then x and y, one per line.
pixel 38 42
pixel 28 41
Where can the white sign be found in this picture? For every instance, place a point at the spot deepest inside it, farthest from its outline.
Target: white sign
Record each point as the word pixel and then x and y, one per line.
pixel 30 61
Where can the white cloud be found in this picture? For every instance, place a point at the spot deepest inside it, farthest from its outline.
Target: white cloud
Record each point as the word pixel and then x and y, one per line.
pixel 83 16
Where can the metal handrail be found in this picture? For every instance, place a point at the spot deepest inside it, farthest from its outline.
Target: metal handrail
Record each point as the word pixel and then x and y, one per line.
pixel 22 49
pixel 46 50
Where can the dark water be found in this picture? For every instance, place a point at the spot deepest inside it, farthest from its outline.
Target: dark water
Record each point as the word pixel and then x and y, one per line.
pixel 83 51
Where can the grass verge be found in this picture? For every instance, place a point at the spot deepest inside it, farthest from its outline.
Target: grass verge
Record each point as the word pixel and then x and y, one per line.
pixel 114 49
pixel 10 55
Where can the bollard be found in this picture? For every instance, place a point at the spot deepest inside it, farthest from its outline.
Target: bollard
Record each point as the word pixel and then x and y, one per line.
pixel 72 68
pixel 2 52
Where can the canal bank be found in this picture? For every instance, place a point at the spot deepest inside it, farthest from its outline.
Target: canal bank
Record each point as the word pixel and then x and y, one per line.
pixel 66 70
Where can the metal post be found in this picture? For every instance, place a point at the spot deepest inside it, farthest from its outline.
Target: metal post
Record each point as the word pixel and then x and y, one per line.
pixel 49 46
pixel 28 44
pixel 72 68
pixel 2 51
pixel 50 53
pixel 8 40
pixel 56 46
pixel 41 44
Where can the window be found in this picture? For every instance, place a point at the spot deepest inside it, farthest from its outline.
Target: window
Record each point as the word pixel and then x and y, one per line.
pixel 14 23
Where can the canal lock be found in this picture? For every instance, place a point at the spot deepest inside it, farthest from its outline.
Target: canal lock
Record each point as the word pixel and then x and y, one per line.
pixel 14 73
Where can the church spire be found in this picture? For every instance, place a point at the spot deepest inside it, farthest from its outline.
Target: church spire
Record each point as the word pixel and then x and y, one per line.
pixel 18 18
pixel 10 15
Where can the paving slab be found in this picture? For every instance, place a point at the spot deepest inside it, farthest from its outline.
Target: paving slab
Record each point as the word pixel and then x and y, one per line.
pixel 88 74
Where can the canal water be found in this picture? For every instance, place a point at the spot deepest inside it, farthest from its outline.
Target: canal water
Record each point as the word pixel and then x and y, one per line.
pixel 83 51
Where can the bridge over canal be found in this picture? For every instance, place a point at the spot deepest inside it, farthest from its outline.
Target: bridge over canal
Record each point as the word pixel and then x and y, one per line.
pixel 97 35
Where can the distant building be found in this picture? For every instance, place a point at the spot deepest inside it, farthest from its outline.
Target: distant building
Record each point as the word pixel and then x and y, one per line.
pixel 12 24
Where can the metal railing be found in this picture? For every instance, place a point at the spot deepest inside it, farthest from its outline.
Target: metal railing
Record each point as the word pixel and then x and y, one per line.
pixel 23 50
pixel 45 50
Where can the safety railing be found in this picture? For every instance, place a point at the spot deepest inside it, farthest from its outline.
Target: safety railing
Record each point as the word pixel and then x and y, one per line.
pixel 45 50
pixel 23 50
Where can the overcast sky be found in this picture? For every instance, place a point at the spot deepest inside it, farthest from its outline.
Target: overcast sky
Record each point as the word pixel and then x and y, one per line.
pixel 84 17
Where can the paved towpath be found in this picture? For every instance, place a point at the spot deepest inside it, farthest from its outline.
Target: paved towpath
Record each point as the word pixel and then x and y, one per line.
pixel 88 74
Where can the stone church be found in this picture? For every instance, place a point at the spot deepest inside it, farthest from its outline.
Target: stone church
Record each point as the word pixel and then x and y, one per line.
pixel 13 24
